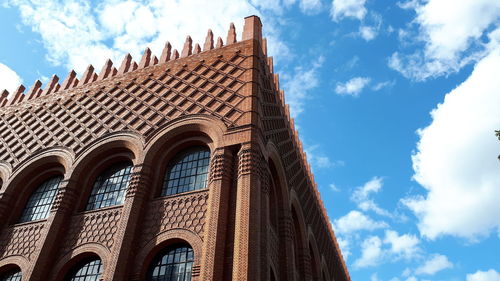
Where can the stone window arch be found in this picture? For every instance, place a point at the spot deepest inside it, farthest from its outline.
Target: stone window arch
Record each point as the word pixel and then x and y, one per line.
pixel 41 200
pixel 174 263
pixel 110 186
pixel 89 269
pixel 187 171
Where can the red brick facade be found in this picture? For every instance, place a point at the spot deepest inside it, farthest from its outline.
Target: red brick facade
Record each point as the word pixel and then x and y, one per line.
pixel 260 216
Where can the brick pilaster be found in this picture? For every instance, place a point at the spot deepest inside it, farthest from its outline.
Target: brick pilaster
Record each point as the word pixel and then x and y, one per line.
pixel 120 253
pixel 246 264
pixel 221 178
pixel 265 224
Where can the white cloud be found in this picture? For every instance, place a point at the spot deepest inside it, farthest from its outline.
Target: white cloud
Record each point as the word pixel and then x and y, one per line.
pixel 352 87
pixel 406 272
pixel 9 80
pixel 348 9
pixel 310 6
pixel 433 265
pixel 76 34
pixel 374 277
pixel 412 4
pixel 368 32
pixel 354 61
pixel 371 252
pixel 334 187
pixel 297 85
pixel 385 84
pixel 362 193
pixel 490 275
pixel 456 159
pixel 356 221
pixel 344 246
pixel 361 196
pixel 405 246
pixel 452 35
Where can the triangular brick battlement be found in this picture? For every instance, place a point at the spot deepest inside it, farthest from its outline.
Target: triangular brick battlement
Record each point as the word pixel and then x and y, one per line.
pixel 129 65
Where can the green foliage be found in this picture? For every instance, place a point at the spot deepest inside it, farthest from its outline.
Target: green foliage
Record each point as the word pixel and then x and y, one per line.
pixel 498 135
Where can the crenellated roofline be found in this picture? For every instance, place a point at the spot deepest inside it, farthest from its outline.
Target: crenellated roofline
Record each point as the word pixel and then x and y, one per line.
pixel 251 30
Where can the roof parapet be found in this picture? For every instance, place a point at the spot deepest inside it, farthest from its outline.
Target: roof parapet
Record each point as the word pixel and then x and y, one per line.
pixel 252 30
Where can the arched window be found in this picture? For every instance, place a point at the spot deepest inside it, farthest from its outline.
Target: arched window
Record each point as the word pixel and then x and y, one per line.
pixel 40 202
pixel 175 263
pixel 11 275
pixel 187 171
pixel 87 270
pixel 110 186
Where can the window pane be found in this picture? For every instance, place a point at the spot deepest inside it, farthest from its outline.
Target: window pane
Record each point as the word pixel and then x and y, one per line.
pixel 40 202
pixel 172 264
pixel 188 171
pixel 87 270
pixel 109 187
pixel 14 275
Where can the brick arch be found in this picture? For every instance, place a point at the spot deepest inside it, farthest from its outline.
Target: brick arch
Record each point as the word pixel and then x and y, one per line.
pixel 129 141
pixel 100 154
pixel 12 262
pixel 164 239
pixel 277 172
pixel 66 263
pixel 274 159
pixel 60 156
pixel 298 223
pixel 212 127
pixel 30 173
pixel 176 136
pixel 315 261
pixel 5 171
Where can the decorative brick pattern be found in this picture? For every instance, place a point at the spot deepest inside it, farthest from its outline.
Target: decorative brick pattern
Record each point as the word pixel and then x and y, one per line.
pixel 218 166
pixel 250 161
pixel 96 226
pixel 20 239
pixel 142 104
pixel 183 211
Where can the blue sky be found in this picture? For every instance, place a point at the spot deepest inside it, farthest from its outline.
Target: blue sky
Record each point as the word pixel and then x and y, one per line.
pixel 396 104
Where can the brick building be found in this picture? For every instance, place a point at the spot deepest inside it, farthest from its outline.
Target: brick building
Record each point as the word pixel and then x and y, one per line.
pixel 180 167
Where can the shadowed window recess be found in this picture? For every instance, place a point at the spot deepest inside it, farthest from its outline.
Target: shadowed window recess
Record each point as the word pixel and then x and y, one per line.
pixel 87 270
pixel 187 171
pixel 175 263
pixel 40 202
pixel 110 187
pixel 12 275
